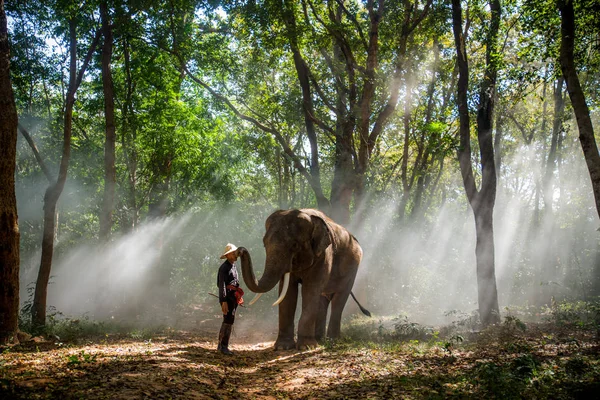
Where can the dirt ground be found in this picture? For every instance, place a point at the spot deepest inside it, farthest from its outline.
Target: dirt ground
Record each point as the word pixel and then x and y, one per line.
pixel 183 364
pixel 177 365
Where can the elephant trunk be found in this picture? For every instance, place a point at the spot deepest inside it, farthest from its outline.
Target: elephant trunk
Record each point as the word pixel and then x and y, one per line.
pixel 268 280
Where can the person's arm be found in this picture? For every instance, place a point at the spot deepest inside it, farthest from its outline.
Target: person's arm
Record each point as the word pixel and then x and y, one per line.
pixel 221 285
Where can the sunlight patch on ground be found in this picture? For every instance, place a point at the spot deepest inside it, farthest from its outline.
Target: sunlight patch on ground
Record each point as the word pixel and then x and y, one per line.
pixel 250 347
pixel 298 354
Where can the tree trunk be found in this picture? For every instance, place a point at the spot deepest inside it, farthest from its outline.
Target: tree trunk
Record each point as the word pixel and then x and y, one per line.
pixel 551 163
pixel 282 181
pixel 343 184
pixel 128 142
pixel 582 112
pixel 307 104
pixel 53 193
pixel 539 177
pixel 406 182
pixel 9 224
pixel 106 214
pixel 484 252
pixel 367 138
pixel 422 165
pixel 344 181
pixel 38 314
pixel 482 201
pixel 498 150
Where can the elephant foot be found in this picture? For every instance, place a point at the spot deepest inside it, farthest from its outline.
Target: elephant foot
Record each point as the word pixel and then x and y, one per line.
pixel 306 343
pixel 284 344
pixel 333 335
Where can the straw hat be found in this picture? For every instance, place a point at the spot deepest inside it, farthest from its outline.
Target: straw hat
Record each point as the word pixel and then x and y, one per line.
pixel 228 249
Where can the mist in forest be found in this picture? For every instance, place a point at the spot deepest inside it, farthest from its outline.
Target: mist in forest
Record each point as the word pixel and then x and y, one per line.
pixel 422 270
pixel 426 270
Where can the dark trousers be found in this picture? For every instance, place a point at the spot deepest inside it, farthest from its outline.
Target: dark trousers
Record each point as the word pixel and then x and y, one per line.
pixel 227 325
pixel 232 304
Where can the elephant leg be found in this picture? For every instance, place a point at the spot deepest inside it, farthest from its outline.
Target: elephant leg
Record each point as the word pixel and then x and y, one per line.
pixel 335 319
pixel 311 298
pixel 287 311
pixel 321 318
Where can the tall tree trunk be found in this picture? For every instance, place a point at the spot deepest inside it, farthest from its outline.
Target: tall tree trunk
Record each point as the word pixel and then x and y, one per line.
pixel 498 150
pixel 482 201
pixel 422 167
pixel 53 192
pixel 9 223
pixel 110 178
pixel 128 141
pixel 406 184
pixel 582 112
pixel 539 177
pixel 344 180
pixel 282 193
pixel 307 103
pixel 368 136
pixel 367 139
pixel 551 163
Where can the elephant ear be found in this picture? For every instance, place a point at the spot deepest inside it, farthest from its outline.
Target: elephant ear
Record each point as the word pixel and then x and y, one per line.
pixel 321 236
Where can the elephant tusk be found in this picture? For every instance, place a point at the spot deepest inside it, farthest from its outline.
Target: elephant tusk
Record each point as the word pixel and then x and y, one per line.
pixel 255 298
pixel 286 283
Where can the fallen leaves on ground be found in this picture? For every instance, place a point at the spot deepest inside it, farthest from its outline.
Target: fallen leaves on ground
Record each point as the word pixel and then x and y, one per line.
pixel 185 365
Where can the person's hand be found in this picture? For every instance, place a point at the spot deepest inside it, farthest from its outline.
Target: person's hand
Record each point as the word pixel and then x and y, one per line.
pixel 224 307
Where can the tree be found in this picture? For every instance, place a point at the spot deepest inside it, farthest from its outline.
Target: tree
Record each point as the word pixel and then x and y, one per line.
pixel 482 201
pixel 363 103
pixel 552 159
pixel 109 117
pixel 9 224
pixel 54 190
pixel 342 63
pixel 580 107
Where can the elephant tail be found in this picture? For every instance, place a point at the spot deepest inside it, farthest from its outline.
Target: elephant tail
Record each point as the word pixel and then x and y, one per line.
pixel 364 310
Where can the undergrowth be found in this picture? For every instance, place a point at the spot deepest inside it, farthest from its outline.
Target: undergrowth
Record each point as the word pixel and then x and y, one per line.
pixel 547 352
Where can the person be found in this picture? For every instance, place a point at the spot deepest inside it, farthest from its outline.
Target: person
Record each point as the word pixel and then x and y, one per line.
pixel 230 295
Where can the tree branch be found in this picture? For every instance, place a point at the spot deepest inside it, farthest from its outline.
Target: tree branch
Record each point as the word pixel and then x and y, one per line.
pixel 88 58
pixel 278 136
pixel 352 18
pixel 36 153
pixel 421 16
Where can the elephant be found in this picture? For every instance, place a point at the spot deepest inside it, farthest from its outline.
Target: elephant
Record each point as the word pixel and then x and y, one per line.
pixel 304 246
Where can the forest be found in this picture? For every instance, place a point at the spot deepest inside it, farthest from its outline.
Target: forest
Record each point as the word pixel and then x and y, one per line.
pixel 451 143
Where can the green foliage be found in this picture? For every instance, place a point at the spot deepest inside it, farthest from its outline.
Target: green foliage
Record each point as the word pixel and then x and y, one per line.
pixel 583 314
pixel 512 323
pixel 406 330
pixel 461 321
pixel 75 360
pixel 450 344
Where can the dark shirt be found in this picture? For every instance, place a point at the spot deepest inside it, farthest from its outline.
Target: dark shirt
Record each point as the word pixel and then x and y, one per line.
pixel 227 276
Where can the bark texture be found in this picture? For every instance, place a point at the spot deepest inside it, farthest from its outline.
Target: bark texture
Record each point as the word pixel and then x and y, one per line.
pixel 9 225
pixel 110 177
